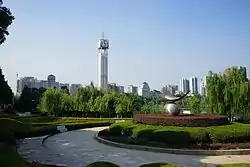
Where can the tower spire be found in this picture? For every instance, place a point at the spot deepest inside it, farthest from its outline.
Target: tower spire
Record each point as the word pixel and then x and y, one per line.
pixel 102 35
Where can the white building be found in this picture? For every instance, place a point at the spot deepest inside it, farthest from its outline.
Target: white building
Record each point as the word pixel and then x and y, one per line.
pixel 74 88
pixel 184 85
pixel 169 89
pixel 193 84
pixel 32 82
pixel 120 88
pixel 103 46
pixel 132 89
pixel 115 88
pixel 66 85
pixel 203 84
pixel 144 90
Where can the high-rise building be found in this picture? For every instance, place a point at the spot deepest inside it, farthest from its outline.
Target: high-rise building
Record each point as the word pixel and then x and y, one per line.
pixel 169 89
pixel 144 90
pixel 103 46
pixel 74 88
pixel 132 89
pixel 115 88
pixel 203 84
pixel 63 85
pixel 51 80
pixel 184 85
pixel 193 85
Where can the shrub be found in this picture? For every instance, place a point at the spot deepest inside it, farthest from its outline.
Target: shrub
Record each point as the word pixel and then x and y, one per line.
pixel 102 164
pixel 181 120
pixel 7 136
pixel 122 127
pixel 184 135
pixel 160 165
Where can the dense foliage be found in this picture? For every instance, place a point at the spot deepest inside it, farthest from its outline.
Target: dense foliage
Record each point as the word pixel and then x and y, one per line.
pixel 6 19
pixel 228 93
pixel 183 136
pixel 6 95
pixel 91 102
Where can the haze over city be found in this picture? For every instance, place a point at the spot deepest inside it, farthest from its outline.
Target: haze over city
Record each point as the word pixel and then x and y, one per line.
pixel 154 41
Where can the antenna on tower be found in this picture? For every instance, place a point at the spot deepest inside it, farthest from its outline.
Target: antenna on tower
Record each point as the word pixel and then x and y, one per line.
pixel 102 35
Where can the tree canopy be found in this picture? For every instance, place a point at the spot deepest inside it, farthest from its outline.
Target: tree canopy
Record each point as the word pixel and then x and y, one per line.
pixel 228 93
pixel 6 95
pixel 91 102
pixel 6 18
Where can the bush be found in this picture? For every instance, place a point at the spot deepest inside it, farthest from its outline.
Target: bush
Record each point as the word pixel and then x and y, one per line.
pixel 234 133
pixel 201 120
pixel 7 136
pixel 102 164
pixel 160 165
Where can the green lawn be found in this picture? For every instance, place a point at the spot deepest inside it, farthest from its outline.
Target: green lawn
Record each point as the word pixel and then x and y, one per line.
pixel 35 126
pixel 234 165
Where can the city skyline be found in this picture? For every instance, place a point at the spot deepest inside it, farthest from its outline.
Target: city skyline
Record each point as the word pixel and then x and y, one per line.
pixel 193 38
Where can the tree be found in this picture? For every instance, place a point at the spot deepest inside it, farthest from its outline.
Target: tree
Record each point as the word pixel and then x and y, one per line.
pixel 50 102
pixel 6 18
pixel 228 93
pixel 194 104
pixel 6 95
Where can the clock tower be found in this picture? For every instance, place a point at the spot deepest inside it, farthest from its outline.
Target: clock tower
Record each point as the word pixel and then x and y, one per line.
pixel 103 46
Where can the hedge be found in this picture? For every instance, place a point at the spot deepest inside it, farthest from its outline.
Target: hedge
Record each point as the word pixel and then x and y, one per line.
pixel 102 164
pixel 160 165
pixel 184 120
pixel 12 129
pixel 234 133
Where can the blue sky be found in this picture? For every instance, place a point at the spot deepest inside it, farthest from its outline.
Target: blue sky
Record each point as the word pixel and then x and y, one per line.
pixel 157 41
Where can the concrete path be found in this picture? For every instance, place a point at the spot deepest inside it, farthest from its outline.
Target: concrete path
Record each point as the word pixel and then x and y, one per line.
pixel 78 148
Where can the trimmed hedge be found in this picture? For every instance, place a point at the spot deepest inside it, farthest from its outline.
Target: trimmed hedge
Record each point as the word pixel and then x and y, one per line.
pixel 102 164
pixel 160 165
pixel 234 133
pixel 12 129
pixel 185 120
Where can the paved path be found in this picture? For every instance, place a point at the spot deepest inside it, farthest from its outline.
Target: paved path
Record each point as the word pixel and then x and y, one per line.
pixel 78 148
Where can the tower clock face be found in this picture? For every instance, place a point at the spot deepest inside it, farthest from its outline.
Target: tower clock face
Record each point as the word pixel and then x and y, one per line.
pixel 104 43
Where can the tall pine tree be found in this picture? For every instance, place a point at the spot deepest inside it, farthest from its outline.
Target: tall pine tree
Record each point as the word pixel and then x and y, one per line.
pixel 6 95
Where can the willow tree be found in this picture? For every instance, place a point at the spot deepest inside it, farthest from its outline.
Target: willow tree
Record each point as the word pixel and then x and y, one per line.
pixel 228 93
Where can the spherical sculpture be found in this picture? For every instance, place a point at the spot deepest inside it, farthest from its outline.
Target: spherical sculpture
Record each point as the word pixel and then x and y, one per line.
pixel 173 109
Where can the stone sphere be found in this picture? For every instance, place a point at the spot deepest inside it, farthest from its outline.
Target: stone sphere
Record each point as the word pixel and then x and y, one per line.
pixel 173 109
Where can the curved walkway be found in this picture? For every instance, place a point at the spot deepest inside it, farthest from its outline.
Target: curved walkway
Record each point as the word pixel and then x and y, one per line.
pixel 78 148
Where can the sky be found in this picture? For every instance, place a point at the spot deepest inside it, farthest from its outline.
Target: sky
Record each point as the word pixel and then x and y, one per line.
pixel 157 41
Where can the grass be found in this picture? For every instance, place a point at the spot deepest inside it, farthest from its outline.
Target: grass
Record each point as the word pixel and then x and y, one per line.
pixel 34 126
pixel 173 135
pixel 234 165
pixel 174 165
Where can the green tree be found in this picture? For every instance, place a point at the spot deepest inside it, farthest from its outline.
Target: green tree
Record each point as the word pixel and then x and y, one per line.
pixel 6 18
pixel 194 104
pixel 50 102
pixel 227 93
pixel 6 94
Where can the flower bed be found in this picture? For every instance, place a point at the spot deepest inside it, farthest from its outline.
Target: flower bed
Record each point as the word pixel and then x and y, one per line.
pixel 181 120
pixel 215 137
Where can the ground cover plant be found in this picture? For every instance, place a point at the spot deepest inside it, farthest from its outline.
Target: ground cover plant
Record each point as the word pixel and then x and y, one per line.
pixel 190 120
pixel 231 136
